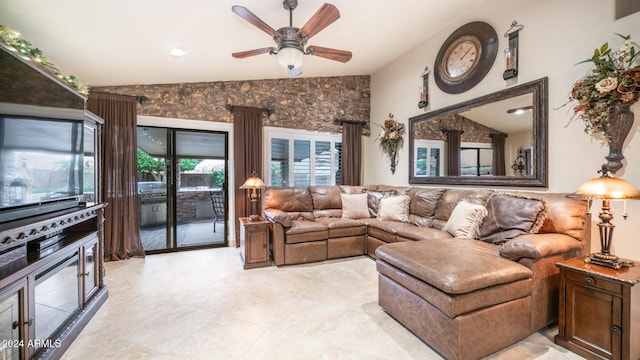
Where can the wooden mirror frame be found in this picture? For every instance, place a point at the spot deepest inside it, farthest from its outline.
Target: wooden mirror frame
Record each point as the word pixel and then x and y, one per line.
pixel 539 178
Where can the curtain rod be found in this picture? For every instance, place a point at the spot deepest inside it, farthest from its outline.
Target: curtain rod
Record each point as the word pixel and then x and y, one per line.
pixel 350 121
pixel 267 111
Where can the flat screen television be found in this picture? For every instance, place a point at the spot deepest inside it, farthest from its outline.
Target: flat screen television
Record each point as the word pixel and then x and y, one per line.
pixel 41 165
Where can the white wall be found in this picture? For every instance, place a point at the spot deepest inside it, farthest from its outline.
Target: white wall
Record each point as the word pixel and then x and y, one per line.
pixel 556 36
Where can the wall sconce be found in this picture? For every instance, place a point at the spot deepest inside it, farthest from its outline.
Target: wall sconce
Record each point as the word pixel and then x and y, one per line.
pixel 511 52
pixel 424 89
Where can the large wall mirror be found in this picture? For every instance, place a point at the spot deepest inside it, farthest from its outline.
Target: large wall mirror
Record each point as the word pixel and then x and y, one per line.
pixel 498 139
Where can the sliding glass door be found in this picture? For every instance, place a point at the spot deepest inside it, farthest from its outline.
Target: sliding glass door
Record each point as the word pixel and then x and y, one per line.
pixel 182 177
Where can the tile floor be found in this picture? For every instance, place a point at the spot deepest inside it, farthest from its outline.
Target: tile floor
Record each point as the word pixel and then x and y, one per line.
pixel 202 305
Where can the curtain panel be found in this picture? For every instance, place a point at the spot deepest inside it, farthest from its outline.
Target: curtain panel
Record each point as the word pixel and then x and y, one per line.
pixel 351 153
pixel 497 144
pixel 119 174
pixel 247 140
pixel 453 149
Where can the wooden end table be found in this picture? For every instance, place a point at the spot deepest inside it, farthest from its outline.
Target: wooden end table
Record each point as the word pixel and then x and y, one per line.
pixel 599 314
pixel 254 243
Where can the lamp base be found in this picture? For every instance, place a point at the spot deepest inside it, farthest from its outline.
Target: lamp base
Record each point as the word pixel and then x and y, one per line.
pixel 608 260
pixel 254 217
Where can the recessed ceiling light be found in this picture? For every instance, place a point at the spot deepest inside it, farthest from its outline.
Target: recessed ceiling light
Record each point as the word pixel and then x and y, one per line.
pixel 178 52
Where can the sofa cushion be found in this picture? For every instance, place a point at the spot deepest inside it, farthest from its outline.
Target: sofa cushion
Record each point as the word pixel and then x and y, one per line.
pixel 325 197
pixel 451 304
pixel 437 262
pixel 289 199
pixel 354 206
pixel 565 216
pixel 537 246
pixel 305 230
pixel 465 220
pixel 339 227
pixel 511 215
pixel 424 201
pixel 451 197
pixel 373 200
pixel 422 233
pixel 394 208
pixel 401 190
pixel 353 189
pixel 279 216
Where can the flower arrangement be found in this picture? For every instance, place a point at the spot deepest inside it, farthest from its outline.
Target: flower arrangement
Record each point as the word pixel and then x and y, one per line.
pixel 391 138
pixel 614 80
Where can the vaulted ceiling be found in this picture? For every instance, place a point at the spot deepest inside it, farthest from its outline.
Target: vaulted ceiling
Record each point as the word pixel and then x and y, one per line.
pixel 124 42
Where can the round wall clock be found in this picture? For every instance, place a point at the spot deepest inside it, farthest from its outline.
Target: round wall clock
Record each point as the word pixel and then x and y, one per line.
pixel 466 57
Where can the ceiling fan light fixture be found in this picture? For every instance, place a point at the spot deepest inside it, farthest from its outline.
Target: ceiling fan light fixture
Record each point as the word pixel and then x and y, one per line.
pixel 290 57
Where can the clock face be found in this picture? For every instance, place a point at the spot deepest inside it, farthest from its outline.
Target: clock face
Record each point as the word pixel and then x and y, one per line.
pixel 461 57
pixel 466 57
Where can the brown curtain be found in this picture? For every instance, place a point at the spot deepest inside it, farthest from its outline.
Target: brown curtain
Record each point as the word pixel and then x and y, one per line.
pixel 351 153
pixel 497 144
pixel 453 149
pixel 247 140
pixel 119 177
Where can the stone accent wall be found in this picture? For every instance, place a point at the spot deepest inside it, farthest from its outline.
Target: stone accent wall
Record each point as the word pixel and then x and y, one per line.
pixel 300 103
pixel 473 131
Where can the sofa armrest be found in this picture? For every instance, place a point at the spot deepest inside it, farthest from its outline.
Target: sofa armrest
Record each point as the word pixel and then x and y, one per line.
pixel 278 216
pixel 537 246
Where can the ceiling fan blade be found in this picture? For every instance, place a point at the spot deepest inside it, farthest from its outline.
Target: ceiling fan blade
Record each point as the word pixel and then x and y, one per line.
pixel 245 54
pixel 328 53
pixel 244 13
pixel 326 15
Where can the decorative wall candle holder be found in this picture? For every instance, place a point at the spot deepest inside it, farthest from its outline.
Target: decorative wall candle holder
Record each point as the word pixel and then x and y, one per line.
pixel 511 52
pixel 424 89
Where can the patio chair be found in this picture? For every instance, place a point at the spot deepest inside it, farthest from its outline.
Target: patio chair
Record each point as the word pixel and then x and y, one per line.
pixel 217 203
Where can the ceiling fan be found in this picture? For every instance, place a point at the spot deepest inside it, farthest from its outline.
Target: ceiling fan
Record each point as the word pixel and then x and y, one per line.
pixel 291 41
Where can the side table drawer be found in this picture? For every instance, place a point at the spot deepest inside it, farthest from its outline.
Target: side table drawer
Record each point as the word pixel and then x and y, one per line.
pixel 594 281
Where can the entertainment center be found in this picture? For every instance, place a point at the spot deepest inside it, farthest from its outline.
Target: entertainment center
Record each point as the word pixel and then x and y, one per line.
pixel 51 216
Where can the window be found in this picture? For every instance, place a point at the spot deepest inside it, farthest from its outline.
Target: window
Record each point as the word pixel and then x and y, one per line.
pixel 428 158
pixel 476 161
pixel 302 158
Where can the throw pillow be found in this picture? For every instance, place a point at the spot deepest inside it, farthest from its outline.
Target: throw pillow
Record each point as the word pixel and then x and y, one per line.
pixel 465 220
pixel 354 206
pixel 394 208
pixel 373 199
pixel 511 215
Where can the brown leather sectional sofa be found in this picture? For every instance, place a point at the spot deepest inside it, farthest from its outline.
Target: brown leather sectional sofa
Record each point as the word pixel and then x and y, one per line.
pixel 466 298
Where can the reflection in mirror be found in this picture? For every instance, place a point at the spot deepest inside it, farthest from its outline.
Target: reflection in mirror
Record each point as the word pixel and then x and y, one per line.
pixel 497 139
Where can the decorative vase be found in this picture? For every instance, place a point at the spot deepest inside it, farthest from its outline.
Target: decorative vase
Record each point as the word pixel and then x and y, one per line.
pixel 393 156
pixel 620 123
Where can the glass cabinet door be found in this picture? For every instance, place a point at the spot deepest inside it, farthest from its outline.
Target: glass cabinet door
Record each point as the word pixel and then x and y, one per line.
pixel 11 321
pixel 90 270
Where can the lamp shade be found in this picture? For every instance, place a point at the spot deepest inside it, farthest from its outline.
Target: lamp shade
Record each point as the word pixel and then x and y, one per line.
pixel 290 57
pixel 606 187
pixel 253 182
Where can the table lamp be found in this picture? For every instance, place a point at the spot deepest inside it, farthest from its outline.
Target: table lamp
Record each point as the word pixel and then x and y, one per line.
pixel 254 183
pixel 606 188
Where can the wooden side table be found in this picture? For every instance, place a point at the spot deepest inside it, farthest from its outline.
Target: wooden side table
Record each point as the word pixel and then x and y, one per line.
pixel 254 243
pixel 599 314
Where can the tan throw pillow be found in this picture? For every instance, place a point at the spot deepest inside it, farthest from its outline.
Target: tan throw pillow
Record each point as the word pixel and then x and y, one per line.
pixel 394 208
pixel 354 206
pixel 465 220
pixel 511 215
